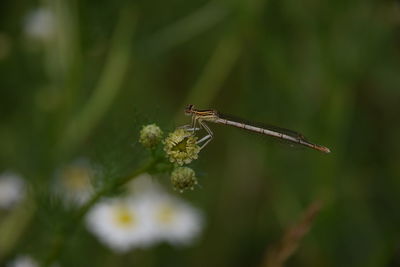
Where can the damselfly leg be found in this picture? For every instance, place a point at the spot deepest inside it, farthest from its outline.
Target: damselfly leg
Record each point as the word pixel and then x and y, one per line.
pixel 193 128
pixel 206 139
pixel 189 128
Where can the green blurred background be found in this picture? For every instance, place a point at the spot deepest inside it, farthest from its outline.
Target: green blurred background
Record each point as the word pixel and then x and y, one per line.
pixel 328 69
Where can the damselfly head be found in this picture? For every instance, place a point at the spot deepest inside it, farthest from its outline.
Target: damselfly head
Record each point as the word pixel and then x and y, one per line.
pixel 189 109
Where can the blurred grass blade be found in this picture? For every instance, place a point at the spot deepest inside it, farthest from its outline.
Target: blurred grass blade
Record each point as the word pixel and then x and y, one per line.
pixel 14 225
pixel 63 56
pixel 108 86
pixel 215 73
pixel 183 30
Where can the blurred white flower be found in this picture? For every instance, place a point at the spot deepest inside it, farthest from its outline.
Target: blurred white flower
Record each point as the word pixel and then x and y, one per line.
pixel 23 261
pixel 172 219
pixel 175 221
pixel 122 224
pixel 147 217
pixel 74 182
pixel 39 25
pixel 12 189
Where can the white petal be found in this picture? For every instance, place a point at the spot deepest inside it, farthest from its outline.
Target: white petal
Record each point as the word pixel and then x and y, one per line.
pixel 12 189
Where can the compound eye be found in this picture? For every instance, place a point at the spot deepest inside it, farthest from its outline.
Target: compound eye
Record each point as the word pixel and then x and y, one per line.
pixel 189 108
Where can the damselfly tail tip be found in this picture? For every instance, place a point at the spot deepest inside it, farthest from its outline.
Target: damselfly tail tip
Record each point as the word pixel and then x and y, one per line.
pixel 324 149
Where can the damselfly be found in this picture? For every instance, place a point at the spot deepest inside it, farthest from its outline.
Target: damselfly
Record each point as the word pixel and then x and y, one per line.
pixel 209 115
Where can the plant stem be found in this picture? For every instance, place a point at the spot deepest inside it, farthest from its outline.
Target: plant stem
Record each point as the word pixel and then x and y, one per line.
pixel 67 230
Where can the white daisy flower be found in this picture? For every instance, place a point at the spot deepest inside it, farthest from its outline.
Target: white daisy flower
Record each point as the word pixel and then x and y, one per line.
pixel 172 219
pixel 176 222
pixel 12 189
pixel 121 224
pixel 39 25
pixel 142 220
pixel 74 182
pixel 23 261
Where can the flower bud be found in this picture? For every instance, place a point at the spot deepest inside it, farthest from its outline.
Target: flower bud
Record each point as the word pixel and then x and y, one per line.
pixel 150 135
pixel 183 178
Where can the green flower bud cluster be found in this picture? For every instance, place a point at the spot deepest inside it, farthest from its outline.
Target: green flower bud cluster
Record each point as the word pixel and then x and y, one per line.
pixel 183 178
pixel 150 136
pixel 180 147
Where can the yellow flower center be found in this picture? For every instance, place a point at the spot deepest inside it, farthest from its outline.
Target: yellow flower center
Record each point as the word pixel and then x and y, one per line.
pixel 124 217
pixel 181 146
pixel 76 178
pixel 166 214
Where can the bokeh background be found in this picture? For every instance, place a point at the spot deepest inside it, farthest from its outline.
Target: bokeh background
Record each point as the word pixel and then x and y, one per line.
pixel 81 81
